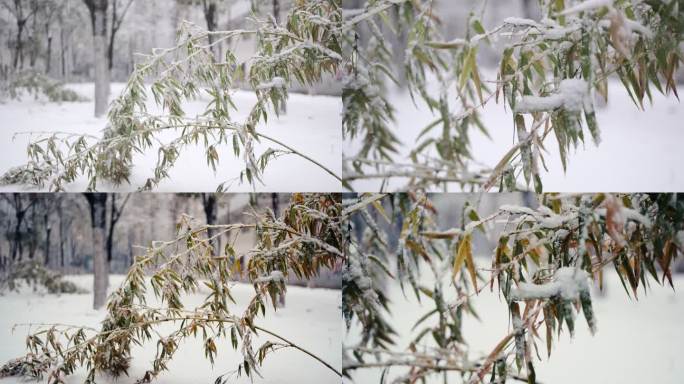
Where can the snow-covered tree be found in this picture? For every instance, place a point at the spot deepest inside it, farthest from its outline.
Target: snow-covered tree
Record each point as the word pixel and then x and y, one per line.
pixel 545 262
pixel 549 72
pixel 306 239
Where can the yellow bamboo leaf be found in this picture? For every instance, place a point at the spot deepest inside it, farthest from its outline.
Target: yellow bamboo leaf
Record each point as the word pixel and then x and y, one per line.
pixel 379 208
pixel 478 83
pixel 417 248
pixel 464 249
pixel 470 264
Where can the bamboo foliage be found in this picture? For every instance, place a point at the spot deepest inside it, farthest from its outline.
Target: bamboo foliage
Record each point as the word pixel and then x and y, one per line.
pixel 549 73
pixel 303 48
pixel 546 261
pixel 304 240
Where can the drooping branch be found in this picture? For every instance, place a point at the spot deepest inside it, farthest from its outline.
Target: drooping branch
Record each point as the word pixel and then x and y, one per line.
pixel 547 256
pixel 305 239
pixel 549 70
pixel 302 48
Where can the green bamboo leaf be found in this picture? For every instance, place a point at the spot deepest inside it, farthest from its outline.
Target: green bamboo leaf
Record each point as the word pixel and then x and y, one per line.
pixel 468 66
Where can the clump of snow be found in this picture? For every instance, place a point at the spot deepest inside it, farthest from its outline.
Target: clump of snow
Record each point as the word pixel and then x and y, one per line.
pixel 627 26
pixel 572 95
pixel 575 94
pixel 546 28
pixel 631 214
pixel 517 21
pixel 567 283
pixel 275 276
pixel 516 209
pixel 555 221
pixel 632 25
pixel 627 214
pixel 539 103
pixel 544 216
pixel 558 33
pixel 276 82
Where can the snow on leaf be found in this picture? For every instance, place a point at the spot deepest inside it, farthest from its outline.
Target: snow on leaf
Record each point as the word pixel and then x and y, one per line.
pixel 567 283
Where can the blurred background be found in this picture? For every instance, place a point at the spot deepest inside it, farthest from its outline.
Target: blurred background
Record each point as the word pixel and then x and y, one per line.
pixel 54 37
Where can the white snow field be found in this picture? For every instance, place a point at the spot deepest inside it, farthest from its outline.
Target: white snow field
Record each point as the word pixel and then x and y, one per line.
pixel 311 126
pixel 637 341
pixel 639 151
pixel 311 318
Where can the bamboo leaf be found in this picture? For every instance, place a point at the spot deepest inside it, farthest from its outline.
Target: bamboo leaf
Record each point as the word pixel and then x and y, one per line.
pixel 463 252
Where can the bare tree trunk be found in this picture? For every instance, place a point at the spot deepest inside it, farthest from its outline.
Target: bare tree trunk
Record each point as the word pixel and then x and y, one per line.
pixel 131 55
pixel 16 246
pixel 64 35
pixel 48 53
pixel 33 53
pixel 210 205
pixel 228 215
pixel 276 10
pixel 101 70
pixel 130 248
pixel 98 215
pixel 112 35
pixel 209 7
pixel 19 50
pixel 107 81
pixel 110 232
pixel 98 17
pixel 72 251
pixel 115 213
pixel 62 48
pixel 32 236
pixel 275 203
pixel 60 230
pixel 48 230
pixel 21 19
pixel 20 211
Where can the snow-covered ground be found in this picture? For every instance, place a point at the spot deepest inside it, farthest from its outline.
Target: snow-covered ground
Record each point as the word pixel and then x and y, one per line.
pixel 311 126
pixel 638 341
pixel 640 150
pixel 311 318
